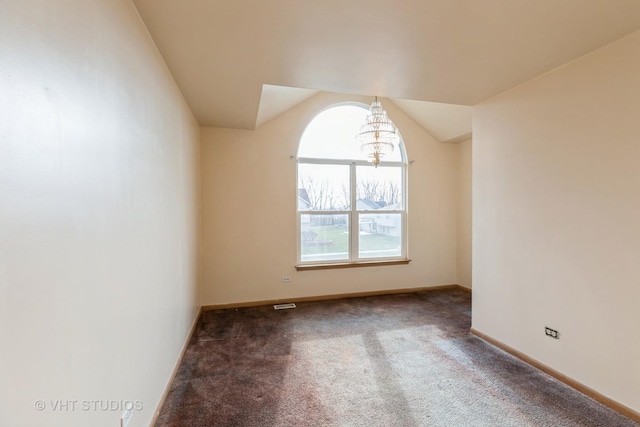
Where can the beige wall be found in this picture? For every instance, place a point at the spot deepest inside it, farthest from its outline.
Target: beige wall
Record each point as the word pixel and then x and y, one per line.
pixel 249 217
pixel 556 183
pixel 464 214
pixel 98 213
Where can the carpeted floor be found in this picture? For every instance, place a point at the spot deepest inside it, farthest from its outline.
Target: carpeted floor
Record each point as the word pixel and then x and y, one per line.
pixel 394 360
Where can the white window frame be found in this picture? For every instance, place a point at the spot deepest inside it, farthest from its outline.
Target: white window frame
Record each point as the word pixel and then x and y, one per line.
pixel 353 214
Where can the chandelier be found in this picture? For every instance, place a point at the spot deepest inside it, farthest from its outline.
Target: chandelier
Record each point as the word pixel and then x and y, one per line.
pixel 377 135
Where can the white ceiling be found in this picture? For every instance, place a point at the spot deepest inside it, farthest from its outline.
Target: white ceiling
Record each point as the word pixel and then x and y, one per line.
pixel 223 52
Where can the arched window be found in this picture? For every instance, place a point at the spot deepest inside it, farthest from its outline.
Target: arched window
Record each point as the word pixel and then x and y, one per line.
pixel 348 210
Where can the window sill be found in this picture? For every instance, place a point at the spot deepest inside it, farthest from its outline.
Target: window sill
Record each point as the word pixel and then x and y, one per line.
pixel 306 267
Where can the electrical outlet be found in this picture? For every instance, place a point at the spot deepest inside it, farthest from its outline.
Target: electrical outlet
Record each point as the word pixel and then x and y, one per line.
pixel 126 417
pixel 551 333
pixel 286 279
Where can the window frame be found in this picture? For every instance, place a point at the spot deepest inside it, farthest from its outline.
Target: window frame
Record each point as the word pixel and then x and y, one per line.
pixel 353 214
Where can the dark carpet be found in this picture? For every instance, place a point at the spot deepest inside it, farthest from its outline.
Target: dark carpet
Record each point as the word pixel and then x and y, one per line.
pixel 393 360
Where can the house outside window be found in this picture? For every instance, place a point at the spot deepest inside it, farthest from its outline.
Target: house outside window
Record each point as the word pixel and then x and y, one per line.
pixel 348 211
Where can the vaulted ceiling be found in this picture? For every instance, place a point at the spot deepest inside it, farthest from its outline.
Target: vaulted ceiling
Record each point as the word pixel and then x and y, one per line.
pixel 240 63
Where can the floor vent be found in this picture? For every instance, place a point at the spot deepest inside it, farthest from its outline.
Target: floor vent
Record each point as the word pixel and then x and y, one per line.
pixel 284 306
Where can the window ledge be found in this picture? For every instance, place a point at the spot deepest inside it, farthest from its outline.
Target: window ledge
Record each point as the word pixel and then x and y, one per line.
pixel 306 267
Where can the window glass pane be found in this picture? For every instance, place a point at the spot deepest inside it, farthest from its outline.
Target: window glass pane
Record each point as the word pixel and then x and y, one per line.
pixel 380 235
pixel 378 188
pixel 332 135
pixel 324 237
pixel 323 187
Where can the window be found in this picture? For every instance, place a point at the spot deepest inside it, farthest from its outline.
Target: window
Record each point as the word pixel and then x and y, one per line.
pixel 348 211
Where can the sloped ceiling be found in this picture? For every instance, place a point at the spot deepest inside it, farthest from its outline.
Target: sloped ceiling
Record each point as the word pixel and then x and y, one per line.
pixel 275 100
pixel 222 53
pixel 445 122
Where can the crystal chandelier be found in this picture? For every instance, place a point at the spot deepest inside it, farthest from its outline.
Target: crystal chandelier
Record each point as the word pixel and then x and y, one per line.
pixel 377 135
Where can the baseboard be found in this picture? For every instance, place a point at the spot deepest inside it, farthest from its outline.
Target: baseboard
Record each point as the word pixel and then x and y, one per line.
pixel 331 297
pixel 616 406
pixel 156 414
